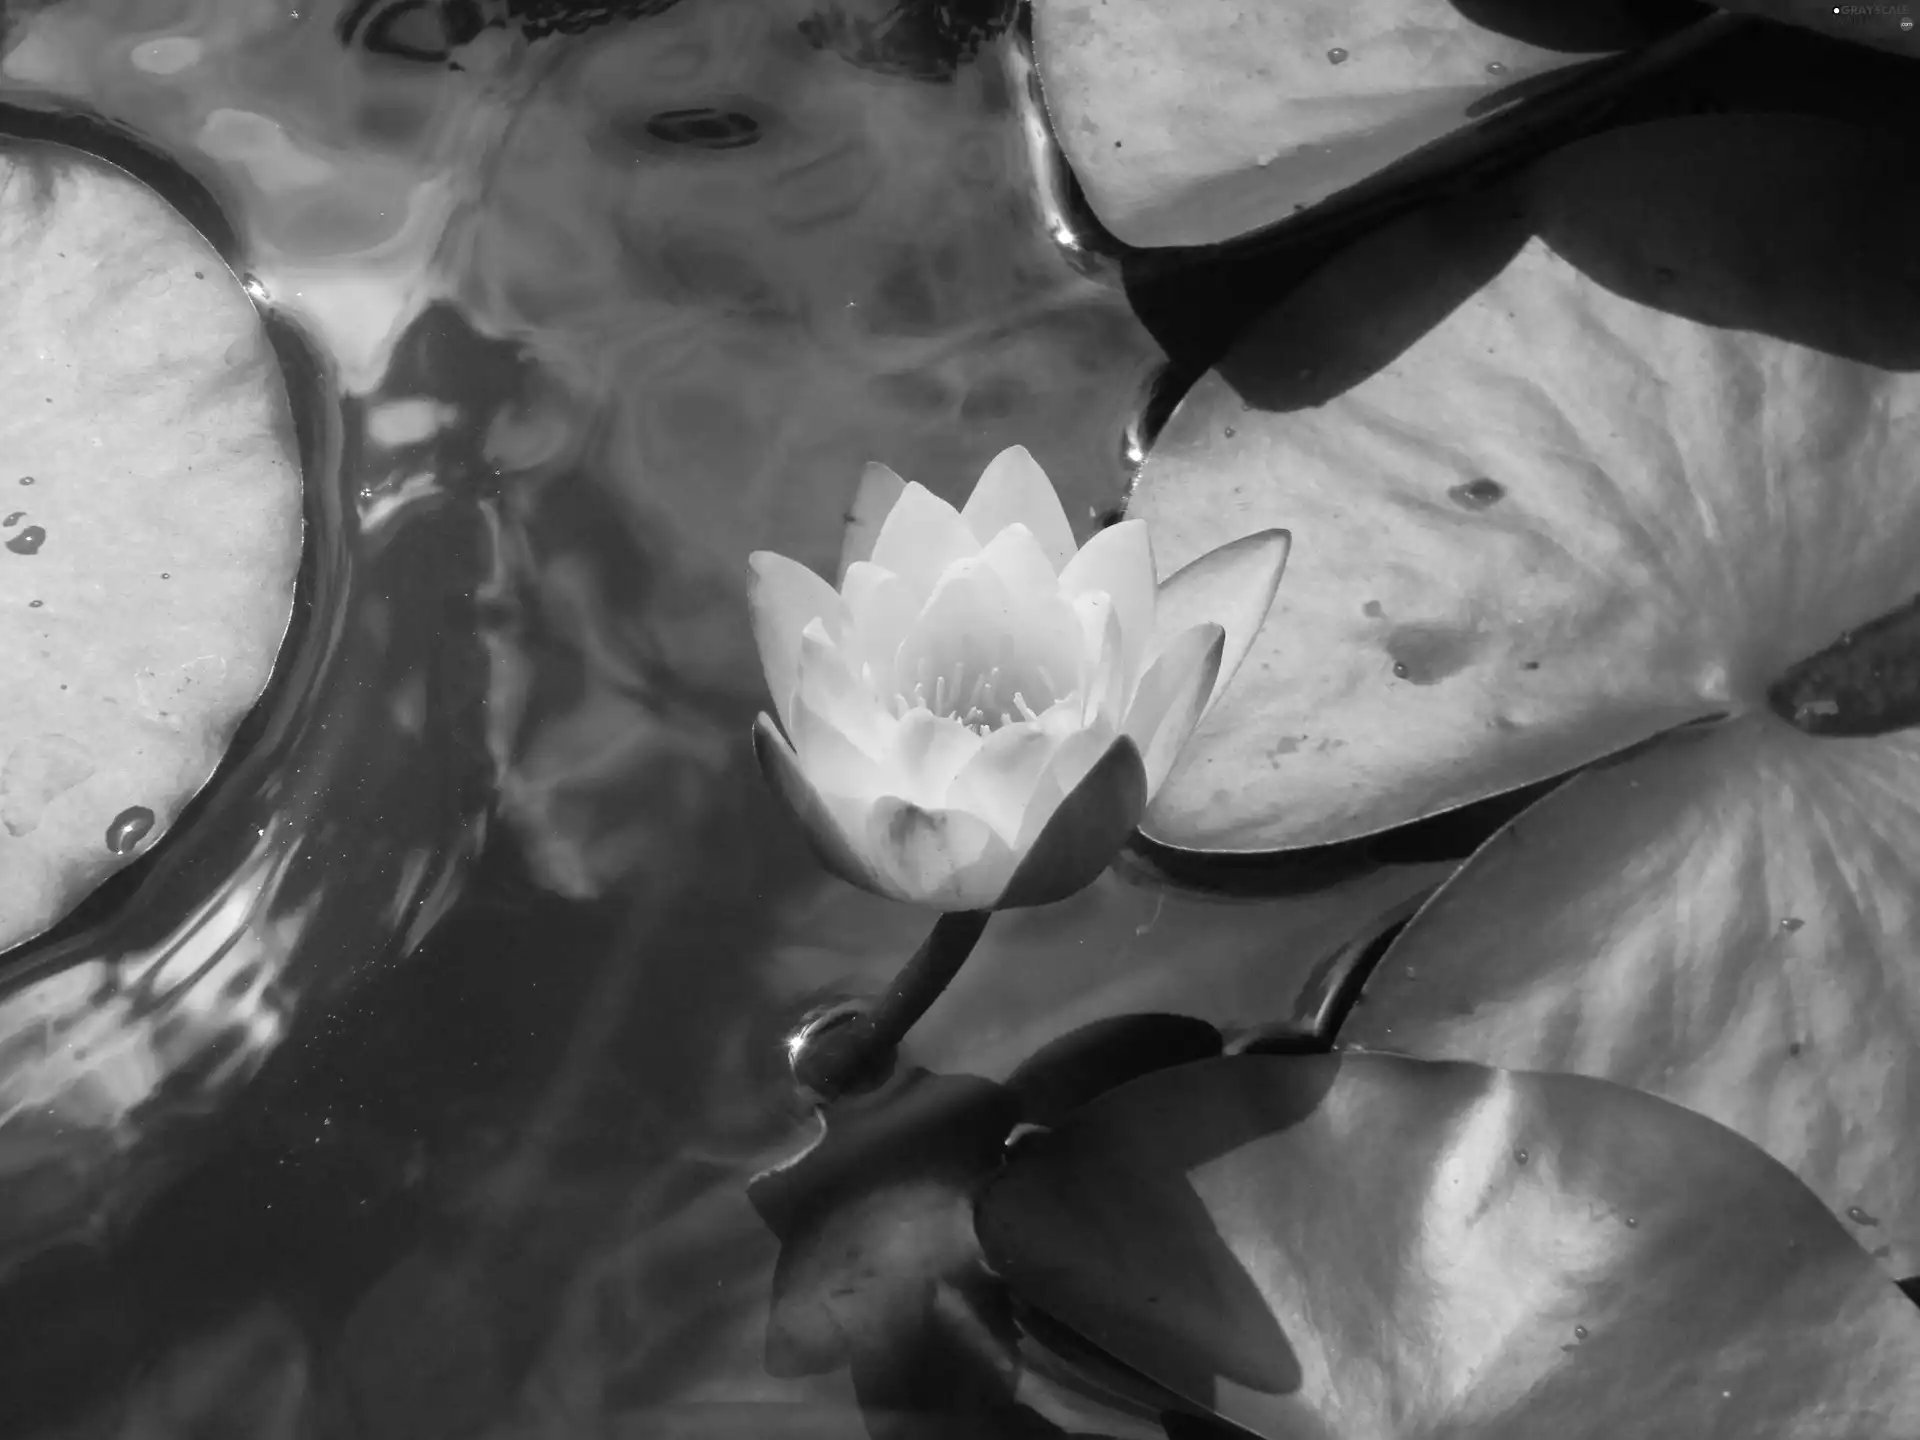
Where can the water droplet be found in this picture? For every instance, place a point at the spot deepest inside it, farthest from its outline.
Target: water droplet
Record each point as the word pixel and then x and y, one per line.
pixel 1795 1048
pixel 26 479
pixel 28 541
pixel 1228 432
pixel 1633 1223
pixel 1520 1155
pixel 1791 924
pixel 14 519
pixel 166 575
pixel 1400 669
pixel 1861 1217
pixel 1494 67
pixel 35 604
pixel 129 828
pixel 1579 1332
pixel 1337 55
pixel 1477 494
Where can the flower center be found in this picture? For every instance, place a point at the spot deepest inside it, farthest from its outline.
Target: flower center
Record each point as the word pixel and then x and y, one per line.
pixel 982 693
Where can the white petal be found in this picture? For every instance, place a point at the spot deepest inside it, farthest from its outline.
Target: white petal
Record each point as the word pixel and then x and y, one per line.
pixel 829 684
pixel 1119 560
pixel 1233 587
pixel 832 763
pixel 999 781
pixel 1171 698
pixel 1106 684
pixel 928 751
pixel 879 492
pixel 1069 765
pixel 1016 557
pixel 784 597
pixel 922 536
pixel 944 858
pixel 1083 831
pixel 836 828
pixel 880 610
pixel 1014 490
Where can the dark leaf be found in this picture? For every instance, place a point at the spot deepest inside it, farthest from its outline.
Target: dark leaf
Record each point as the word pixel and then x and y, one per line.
pixel 1066 1074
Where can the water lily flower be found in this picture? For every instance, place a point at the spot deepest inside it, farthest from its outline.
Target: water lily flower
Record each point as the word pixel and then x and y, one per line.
pixel 977 718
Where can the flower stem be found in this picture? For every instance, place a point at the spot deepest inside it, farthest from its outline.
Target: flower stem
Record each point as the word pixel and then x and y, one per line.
pixel 856 1047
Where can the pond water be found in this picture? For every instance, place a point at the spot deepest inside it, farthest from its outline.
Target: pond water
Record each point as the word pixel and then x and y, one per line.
pixel 408 1089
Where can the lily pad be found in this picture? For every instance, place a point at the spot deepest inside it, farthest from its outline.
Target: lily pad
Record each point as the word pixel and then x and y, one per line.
pixel 150 519
pixel 1724 919
pixel 1189 124
pixel 1349 1245
pixel 1568 462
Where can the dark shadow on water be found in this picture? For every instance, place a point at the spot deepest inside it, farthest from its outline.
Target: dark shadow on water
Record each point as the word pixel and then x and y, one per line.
pixel 1582 26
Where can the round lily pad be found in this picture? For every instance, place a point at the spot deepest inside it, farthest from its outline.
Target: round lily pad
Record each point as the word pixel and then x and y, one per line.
pixel 1567 463
pixel 150 523
pixel 1189 124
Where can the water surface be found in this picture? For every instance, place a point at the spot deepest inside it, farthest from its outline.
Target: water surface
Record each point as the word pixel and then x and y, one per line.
pixel 408 1088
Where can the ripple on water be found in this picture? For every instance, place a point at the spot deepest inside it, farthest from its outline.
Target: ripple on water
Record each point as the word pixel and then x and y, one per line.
pixel 665 286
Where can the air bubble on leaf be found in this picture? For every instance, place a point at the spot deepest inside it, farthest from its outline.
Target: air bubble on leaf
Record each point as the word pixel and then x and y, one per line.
pixel 1520 1155
pixel 28 541
pixel 1337 55
pixel 1477 494
pixel 129 828
pixel 1861 1217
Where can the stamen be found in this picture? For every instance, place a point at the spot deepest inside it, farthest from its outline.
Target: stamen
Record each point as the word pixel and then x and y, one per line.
pixel 940 696
pixel 1020 704
pixel 983 686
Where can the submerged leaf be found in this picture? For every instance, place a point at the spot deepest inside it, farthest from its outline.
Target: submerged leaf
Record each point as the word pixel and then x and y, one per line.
pixel 1567 463
pixel 879 1270
pixel 1192 123
pixel 1726 919
pixel 1369 1245
pixel 150 519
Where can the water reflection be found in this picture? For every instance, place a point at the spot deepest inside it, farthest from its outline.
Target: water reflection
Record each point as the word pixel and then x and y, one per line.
pixel 601 307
